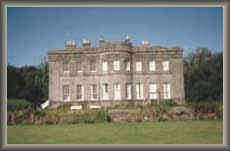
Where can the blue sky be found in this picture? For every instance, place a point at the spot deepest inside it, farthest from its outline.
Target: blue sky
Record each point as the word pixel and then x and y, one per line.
pixel 31 32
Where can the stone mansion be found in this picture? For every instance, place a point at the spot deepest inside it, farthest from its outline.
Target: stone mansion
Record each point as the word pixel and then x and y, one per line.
pixel 115 71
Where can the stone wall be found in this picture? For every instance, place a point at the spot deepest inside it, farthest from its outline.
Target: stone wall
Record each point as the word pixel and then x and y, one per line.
pixel 116 53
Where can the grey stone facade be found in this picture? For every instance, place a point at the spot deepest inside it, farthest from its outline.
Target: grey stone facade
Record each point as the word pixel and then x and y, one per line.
pixel 82 66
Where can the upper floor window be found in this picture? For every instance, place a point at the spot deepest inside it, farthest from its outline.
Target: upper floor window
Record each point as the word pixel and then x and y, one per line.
pixel 116 65
pixel 79 67
pixel 93 65
pixel 166 91
pixel 165 65
pixel 138 66
pixel 65 66
pixel 128 66
pixel 105 66
pixel 152 66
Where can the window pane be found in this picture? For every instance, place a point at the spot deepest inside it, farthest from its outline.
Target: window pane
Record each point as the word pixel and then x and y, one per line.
pixel 166 65
pixel 152 66
pixel 65 92
pixel 79 92
pixel 138 66
pixel 128 66
pixel 166 89
pixel 128 91
pixel 65 67
pixel 93 90
pixel 92 65
pixel 117 92
pixel 153 91
pixel 139 91
pixel 104 66
pixel 116 65
pixel 78 66
pixel 105 94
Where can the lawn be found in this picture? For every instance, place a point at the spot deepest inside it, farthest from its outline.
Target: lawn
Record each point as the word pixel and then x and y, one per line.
pixel 189 132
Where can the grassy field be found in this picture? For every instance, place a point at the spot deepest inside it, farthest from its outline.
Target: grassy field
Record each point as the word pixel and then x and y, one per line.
pixel 189 132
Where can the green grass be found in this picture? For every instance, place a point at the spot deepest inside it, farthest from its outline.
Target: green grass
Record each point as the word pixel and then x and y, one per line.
pixel 188 132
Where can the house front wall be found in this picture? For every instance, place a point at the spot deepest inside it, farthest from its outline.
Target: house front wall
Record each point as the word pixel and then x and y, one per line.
pixel 58 77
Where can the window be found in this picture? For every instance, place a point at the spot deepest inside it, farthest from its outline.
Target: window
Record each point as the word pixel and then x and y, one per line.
pixel 128 91
pixel 152 66
pixel 105 93
pixel 117 92
pixel 166 65
pixel 139 91
pixel 65 67
pixel 166 89
pixel 80 92
pixel 66 92
pixel 116 65
pixel 153 91
pixel 105 66
pixel 93 90
pixel 138 66
pixel 128 66
pixel 93 65
pixel 79 67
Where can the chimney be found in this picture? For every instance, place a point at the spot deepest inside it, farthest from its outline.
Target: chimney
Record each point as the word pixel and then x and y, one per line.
pixel 70 44
pixel 145 43
pixel 85 43
pixel 101 41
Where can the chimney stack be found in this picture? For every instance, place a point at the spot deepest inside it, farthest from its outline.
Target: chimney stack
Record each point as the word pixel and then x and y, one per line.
pixel 70 44
pixel 85 43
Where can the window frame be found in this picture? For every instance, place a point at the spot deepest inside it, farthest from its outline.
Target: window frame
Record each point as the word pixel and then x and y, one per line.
pixel 139 66
pixel 128 91
pixel 65 92
pixel 166 65
pixel 105 66
pixel 93 66
pixel 116 65
pixel 78 66
pixel 79 92
pixel 93 91
pixel 167 90
pixel 140 88
pixel 152 65
pixel 153 91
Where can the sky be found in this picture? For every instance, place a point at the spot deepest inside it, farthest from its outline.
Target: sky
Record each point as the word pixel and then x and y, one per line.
pixel 33 31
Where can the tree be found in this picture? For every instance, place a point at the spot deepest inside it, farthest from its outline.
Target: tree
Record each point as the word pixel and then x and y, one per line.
pixel 203 75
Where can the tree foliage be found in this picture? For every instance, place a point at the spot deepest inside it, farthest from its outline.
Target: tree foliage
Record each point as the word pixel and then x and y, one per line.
pixel 28 82
pixel 203 74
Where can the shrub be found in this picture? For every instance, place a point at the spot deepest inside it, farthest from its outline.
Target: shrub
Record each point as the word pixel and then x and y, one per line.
pixel 14 105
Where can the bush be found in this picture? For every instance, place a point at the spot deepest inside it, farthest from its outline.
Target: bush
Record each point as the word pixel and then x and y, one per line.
pixel 207 110
pixel 14 105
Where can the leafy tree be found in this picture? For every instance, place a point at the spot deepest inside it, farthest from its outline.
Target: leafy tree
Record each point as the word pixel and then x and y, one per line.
pixel 203 74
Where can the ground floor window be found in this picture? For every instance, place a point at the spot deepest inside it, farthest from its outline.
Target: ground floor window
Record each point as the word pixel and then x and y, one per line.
pixel 117 91
pixel 153 91
pixel 166 89
pixel 128 91
pixel 139 91
pixel 65 92
pixel 80 92
pixel 93 90
pixel 105 92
